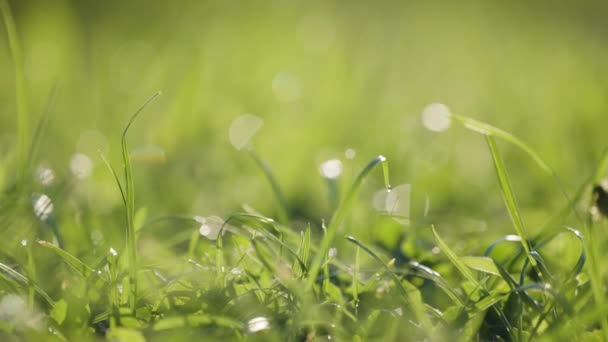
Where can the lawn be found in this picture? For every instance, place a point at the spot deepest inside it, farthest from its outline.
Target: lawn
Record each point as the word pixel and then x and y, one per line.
pixel 303 171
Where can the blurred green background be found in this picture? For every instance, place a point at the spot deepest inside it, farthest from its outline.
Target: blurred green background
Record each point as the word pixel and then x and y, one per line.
pixel 324 76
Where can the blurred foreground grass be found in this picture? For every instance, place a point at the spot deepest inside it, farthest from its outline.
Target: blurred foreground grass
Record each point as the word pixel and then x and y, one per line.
pixel 323 81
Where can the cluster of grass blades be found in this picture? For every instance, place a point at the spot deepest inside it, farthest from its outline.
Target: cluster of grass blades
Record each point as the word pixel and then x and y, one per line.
pixel 257 278
pixel 261 280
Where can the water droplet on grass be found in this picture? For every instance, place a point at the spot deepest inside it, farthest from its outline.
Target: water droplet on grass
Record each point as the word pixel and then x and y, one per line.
pixel 436 117
pixel 394 202
pixel 211 226
pixel 333 252
pixel 258 324
pixel 43 206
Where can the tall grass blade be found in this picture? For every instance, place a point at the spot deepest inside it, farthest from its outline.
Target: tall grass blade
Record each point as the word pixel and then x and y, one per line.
pixel 509 197
pixel 130 208
pixel 489 130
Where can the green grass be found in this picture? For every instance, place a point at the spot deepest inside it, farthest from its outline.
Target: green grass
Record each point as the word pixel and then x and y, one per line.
pixel 222 245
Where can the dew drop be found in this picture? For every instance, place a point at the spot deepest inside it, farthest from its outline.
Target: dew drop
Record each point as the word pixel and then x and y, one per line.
pixel 258 324
pixel 43 206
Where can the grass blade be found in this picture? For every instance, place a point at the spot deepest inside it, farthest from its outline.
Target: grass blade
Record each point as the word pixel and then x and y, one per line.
pixel 118 183
pixel 79 266
pixel 10 274
pixel 460 266
pixel 508 196
pixel 129 196
pixel 489 130
pixel 490 299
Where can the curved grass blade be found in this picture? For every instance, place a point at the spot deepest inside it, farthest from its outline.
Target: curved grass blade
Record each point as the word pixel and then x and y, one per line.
pixel 10 274
pixel 509 197
pixel 130 208
pixel 118 183
pixel 489 130
pixel 580 263
pixel 434 276
pixel 344 207
pixel 411 296
pixel 506 238
pixel 79 266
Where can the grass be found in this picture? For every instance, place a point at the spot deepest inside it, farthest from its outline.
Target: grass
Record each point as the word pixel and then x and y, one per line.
pixel 265 277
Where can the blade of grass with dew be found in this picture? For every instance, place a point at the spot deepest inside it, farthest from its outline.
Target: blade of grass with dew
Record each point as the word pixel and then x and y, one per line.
pixel 131 244
pixel 20 94
pixel 10 274
pixel 344 207
pixel 411 296
pixel 508 196
pixel 79 266
pixel 283 208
